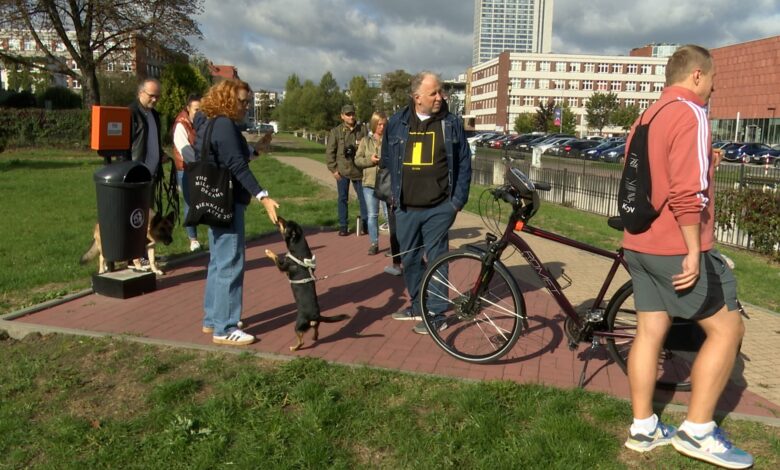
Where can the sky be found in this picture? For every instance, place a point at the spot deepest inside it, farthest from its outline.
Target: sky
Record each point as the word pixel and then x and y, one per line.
pixel 268 40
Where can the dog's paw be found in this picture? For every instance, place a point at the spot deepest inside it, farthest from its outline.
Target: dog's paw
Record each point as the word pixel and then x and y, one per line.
pixel 270 254
pixel 296 347
pixel 158 271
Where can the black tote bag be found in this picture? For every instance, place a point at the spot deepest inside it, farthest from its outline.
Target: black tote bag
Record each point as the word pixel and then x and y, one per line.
pixel 382 187
pixel 211 189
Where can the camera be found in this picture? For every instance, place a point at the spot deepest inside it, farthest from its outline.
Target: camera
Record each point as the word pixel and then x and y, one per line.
pixel 350 151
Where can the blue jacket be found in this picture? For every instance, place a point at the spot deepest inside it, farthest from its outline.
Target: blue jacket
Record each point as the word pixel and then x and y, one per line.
pixel 457 148
pixel 232 151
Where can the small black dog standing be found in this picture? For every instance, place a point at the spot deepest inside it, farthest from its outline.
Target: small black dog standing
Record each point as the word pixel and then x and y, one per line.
pixel 299 264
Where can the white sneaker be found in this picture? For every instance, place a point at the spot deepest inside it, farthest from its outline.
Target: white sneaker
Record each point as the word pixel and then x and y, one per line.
pixel 194 245
pixel 235 338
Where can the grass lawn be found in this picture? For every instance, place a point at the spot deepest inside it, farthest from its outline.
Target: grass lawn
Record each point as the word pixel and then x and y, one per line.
pixel 69 402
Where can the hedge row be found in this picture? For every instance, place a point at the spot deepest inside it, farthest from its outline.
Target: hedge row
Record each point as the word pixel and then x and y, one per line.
pixel 39 127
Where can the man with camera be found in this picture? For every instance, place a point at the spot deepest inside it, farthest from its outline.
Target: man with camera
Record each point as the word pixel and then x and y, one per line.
pixel 340 157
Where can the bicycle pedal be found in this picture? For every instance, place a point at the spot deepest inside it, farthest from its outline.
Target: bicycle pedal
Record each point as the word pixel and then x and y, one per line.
pixel 573 345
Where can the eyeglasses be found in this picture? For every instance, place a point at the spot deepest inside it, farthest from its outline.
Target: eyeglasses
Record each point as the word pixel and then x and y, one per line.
pixel 151 95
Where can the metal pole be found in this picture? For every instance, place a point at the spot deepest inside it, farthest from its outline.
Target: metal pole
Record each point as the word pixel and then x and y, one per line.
pixel 772 108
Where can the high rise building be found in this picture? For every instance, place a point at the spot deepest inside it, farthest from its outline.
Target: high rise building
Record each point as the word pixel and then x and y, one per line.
pixel 511 25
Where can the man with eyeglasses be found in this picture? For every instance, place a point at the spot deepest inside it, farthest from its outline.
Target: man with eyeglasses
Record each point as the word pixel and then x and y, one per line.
pixel 146 144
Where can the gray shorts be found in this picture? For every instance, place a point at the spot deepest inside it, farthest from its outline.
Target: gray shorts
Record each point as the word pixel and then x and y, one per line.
pixel 654 292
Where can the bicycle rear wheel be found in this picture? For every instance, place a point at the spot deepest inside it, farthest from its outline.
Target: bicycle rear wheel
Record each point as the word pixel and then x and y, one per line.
pixel 675 360
pixel 473 328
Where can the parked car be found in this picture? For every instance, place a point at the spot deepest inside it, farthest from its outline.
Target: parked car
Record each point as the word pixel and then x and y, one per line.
pixel 729 152
pixel 547 148
pixel 526 146
pixel 263 129
pixel 576 148
pixel 499 143
pixel 595 152
pixel 758 153
pixel 614 155
pixel 483 138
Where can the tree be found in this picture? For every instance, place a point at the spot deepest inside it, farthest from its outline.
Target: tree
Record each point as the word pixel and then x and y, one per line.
pixel 525 123
pixel 545 116
pixel 288 111
pixel 600 107
pixel 569 120
pixel 117 89
pixel 362 96
pixel 625 116
pixel 332 99
pixel 178 82
pixel 92 30
pixel 397 87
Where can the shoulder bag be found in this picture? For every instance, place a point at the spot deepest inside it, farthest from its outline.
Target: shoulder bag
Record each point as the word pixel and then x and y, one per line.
pixel 210 188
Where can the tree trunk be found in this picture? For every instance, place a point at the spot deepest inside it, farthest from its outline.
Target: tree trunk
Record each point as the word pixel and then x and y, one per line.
pixel 90 89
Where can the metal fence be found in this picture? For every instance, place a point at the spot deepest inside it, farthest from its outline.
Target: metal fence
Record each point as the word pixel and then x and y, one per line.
pixel 593 186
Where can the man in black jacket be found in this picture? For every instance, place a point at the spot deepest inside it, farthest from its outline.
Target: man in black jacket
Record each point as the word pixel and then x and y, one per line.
pixel 145 131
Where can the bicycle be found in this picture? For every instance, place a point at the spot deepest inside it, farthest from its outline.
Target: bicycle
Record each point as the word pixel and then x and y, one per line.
pixel 475 311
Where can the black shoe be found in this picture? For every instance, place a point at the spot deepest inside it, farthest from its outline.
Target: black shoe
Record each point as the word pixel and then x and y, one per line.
pixel 364 229
pixel 343 232
pixel 373 249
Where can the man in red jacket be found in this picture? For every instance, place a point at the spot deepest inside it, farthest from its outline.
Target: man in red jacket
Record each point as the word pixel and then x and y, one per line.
pixel 677 272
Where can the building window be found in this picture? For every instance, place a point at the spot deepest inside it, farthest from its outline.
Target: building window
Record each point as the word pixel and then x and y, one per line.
pixel 558 100
pixel 602 85
pixel 617 68
pixel 14 44
pixel 574 67
pixel 660 69
pixel 574 102
pixel 658 87
pixel 574 84
pixel 560 66
pixel 127 67
pixel 544 66
pixel 629 102
pixel 559 84
pixel 615 86
pixel 529 83
pixel 603 68
pixel 530 66
pixel 60 47
pixel 632 68
pixel 110 66
pixel 643 104
pixel 630 86
pixel 544 84
pixel 517 65
pixel 528 101
pixel 644 87
pixel 647 69
pixel 587 85
pixel 589 68
pixel 29 45
pixel 76 84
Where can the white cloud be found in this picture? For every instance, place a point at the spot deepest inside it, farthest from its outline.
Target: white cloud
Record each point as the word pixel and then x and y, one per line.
pixel 268 40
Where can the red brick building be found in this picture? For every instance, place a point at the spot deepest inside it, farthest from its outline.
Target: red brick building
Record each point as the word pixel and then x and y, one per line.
pixel 746 102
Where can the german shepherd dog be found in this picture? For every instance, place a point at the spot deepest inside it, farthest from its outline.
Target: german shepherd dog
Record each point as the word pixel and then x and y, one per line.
pixel 160 230
pixel 299 265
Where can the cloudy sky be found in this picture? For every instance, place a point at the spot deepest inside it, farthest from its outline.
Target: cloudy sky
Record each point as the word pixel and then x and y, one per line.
pixel 270 39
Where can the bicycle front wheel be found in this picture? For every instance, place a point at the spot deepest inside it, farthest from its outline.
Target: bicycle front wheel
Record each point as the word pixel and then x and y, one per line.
pixel 674 362
pixel 474 319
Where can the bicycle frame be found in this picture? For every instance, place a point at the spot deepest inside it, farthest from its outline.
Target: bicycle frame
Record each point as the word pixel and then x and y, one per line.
pixel 511 236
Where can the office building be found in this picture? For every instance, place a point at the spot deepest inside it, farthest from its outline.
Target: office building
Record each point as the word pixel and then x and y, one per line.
pixel 511 25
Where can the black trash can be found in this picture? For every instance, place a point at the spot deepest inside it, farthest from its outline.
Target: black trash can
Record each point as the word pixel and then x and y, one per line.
pixel 123 201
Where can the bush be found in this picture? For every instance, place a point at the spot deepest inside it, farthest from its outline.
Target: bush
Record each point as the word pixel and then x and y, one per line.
pixel 19 100
pixel 60 98
pixel 28 127
pixel 753 211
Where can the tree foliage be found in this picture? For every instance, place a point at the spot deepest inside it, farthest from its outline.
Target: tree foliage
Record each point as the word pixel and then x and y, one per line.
pixel 93 30
pixel 178 81
pixel 545 116
pixel 117 88
pixel 310 106
pixel 624 117
pixel 599 109
pixel 525 123
pixel 396 86
pixel 362 96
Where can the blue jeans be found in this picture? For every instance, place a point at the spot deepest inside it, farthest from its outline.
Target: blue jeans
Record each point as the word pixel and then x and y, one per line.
pixel 372 205
pixel 428 230
pixel 223 300
pixel 343 188
pixel 181 180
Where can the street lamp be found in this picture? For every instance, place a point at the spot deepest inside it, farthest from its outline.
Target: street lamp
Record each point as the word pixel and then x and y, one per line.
pixel 772 108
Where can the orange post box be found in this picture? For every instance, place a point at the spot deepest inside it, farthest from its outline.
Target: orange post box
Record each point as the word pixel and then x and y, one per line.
pixel 110 128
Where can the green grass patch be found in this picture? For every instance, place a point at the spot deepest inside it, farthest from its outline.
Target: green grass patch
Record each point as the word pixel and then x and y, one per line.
pixel 85 403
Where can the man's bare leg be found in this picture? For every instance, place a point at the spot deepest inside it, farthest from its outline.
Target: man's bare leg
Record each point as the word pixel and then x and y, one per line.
pixel 643 360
